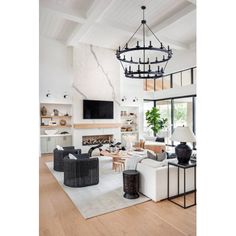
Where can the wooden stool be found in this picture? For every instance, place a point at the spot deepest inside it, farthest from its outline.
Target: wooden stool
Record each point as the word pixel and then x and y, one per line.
pixel 118 166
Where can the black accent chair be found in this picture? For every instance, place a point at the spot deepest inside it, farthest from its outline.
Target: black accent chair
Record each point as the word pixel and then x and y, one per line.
pixel 93 148
pixel 58 156
pixel 81 172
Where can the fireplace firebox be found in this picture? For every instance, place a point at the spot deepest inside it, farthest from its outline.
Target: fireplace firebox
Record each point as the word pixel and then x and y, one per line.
pixel 97 139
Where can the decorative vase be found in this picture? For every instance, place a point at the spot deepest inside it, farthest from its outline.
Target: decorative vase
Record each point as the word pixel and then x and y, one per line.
pixel 43 111
pixel 62 122
pixel 56 112
pixel 183 153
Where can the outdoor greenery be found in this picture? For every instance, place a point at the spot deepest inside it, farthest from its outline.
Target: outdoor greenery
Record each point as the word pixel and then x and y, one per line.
pixel 155 121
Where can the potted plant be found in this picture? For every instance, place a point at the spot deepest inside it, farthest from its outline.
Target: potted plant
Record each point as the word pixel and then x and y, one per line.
pixel 154 120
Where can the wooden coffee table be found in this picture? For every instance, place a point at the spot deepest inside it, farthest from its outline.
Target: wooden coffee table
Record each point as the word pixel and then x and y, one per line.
pixel 118 159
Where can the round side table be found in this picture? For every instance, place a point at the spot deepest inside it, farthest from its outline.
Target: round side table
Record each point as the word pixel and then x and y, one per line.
pixel 131 184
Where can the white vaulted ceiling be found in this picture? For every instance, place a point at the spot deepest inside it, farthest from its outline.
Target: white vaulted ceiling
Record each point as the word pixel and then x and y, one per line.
pixel 110 23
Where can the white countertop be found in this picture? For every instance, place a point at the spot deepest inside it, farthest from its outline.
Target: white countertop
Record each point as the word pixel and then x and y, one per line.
pixel 54 135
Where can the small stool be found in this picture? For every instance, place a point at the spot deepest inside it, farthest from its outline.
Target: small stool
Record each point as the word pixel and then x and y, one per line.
pixel 117 166
pixel 131 184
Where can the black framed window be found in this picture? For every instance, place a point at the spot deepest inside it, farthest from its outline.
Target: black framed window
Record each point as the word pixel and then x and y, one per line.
pixel 178 110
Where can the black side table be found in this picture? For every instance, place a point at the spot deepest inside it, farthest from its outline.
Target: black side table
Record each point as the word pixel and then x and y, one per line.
pixel 184 167
pixel 131 184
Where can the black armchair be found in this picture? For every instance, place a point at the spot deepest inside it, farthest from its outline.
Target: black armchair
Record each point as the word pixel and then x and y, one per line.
pixel 58 156
pixel 81 172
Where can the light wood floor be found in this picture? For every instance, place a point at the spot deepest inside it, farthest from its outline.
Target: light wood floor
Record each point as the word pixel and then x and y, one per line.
pixel 58 215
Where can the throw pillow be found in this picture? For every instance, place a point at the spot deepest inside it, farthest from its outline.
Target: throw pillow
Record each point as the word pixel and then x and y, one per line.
pixel 161 156
pixel 59 147
pixel 72 157
pixel 152 155
pixel 160 139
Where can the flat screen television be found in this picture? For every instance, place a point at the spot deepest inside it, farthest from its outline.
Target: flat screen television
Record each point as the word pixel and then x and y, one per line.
pixel 95 109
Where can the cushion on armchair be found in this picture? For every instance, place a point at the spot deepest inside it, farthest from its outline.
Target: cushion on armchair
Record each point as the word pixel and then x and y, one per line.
pixel 72 157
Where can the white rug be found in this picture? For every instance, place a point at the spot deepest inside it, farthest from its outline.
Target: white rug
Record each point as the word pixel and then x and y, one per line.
pixel 99 199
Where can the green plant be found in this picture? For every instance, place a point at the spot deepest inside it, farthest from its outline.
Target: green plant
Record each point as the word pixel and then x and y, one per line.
pixel 154 120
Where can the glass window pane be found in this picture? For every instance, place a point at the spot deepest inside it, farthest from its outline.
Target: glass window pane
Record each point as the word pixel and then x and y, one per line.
pixel 194 75
pixel 177 80
pixel 183 113
pixel 165 111
pixel 145 85
pixel 158 84
pixel 147 105
pixel 166 82
pixel 186 77
pixel 150 85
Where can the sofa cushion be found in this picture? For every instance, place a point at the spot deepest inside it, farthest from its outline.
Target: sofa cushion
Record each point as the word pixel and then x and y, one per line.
pixel 72 157
pixel 152 155
pixel 152 163
pixel 161 156
pixel 59 147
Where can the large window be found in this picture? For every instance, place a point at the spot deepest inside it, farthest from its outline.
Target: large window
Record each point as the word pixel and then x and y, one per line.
pixel 165 109
pixel 179 111
pixel 147 105
pixel 183 113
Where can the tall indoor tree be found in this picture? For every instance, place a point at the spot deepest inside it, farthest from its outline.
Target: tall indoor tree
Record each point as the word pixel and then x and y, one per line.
pixel 154 120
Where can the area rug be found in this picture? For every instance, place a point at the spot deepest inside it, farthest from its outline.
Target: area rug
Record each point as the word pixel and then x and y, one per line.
pixel 99 199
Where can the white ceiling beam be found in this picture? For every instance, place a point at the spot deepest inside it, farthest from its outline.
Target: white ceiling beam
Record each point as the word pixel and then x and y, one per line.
pixel 96 11
pixel 66 13
pixel 192 1
pixel 173 18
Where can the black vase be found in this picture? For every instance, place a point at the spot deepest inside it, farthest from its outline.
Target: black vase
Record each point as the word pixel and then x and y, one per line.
pixel 183 153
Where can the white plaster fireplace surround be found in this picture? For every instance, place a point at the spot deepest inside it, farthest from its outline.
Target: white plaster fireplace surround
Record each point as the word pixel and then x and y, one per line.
pixel 96 77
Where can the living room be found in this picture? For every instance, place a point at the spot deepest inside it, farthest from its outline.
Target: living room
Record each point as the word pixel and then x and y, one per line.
pixel 117 120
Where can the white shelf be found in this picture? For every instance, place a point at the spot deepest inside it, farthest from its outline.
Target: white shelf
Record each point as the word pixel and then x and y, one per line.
pixel 54 135
pixel 129 132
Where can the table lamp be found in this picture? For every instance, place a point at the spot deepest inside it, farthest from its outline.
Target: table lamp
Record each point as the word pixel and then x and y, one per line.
pixel 183 134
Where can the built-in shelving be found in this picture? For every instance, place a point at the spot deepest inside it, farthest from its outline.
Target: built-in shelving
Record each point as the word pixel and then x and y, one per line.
pixel 51 121
pixel 56 126
pixel 129 119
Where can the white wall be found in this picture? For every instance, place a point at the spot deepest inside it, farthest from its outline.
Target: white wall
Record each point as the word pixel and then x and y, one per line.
pixel 55 70
pixel 96 76
pixel 182 59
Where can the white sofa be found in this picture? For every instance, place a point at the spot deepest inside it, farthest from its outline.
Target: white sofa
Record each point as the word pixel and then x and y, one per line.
pixel 153 179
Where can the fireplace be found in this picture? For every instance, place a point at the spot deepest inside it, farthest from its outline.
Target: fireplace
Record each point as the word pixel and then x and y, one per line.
pixel 97 139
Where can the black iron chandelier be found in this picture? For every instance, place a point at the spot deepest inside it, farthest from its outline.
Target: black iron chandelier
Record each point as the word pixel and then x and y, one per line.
pixel 144 61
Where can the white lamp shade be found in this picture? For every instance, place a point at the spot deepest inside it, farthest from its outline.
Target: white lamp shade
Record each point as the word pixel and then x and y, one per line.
pixel 183 134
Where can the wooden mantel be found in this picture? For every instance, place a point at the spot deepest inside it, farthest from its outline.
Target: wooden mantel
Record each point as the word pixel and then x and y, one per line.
pixel 97 125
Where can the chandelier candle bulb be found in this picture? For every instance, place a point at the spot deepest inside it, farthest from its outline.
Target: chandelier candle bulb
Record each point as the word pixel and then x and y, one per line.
pixel 126 46
pixel 131 59
pixel 150 44
pixel 129 68
pixel 137 44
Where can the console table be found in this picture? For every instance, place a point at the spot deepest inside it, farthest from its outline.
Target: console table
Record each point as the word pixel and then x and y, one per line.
pixel 184 167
